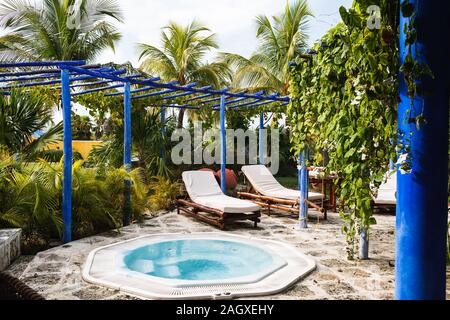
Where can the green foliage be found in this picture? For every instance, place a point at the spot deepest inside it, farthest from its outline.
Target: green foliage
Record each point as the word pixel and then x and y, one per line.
pixel 180 57
pixel 31 193
pixel 344 102
pixel 163 193
pixel 280 40
pixel 47 30
pixel 147 140
pixel 21 115
pixel 82 128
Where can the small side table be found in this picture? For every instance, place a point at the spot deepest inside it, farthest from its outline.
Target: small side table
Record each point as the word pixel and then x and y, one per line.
pixel 328 185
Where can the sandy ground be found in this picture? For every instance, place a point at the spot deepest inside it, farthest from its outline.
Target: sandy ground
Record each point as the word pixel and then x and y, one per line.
pixel 56 273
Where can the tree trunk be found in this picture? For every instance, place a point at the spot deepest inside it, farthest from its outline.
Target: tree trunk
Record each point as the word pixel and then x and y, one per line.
pixel 180 118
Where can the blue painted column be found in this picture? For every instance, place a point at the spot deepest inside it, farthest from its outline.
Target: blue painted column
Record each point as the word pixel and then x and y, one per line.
pixel 422 195
pixel 223 141
pixel 303 190
pixel 127 152
pixel 67 149
pixel 261 159
pixel 163 131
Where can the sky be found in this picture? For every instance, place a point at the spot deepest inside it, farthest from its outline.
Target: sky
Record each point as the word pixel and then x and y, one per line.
pixel 232 20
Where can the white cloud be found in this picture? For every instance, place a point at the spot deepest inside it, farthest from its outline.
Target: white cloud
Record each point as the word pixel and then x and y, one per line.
pixel 231 20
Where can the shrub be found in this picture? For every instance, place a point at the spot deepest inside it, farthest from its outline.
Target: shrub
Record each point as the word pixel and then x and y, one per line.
pixel 31 193
pixel 164 193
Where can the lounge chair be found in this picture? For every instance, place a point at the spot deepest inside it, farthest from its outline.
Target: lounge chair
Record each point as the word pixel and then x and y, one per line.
pixel 205 195
pixel 266 191
pixel 386 197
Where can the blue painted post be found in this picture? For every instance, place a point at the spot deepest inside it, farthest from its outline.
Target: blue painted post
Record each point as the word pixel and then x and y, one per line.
pixel 223 140
pixel 127 152
pixel 302 188
pixel 67 179
pixel 163 132
pixel 422 195
pixel 261 139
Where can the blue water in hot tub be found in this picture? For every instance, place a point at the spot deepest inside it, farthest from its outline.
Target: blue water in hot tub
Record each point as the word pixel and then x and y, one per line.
pixel 199 259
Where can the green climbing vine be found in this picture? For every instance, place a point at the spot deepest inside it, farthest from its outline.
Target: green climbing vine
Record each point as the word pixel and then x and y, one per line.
pixel 412 71
pixel 344 102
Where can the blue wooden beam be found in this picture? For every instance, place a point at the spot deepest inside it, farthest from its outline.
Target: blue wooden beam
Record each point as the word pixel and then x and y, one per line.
pixel 422 216
pixel 261 159
pixel 50 82
pixel 184 93
pixel 44 76
pixel 217 99
pixel 200 97
pixel 153 94
pixel 303 192
pixel 144 89
pixel 42 71
pixel 223 150
pixel 67 148
pixel 163 131
pixel 127 152
pixel 42 64
pixel 98 89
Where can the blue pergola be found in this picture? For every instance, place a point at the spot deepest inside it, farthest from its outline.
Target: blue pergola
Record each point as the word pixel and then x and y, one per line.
pixel 76 78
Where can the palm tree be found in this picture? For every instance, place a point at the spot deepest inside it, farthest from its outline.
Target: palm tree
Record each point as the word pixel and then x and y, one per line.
pixel 22 114
pixel 281 39
pixel 57 29
pixel 180 57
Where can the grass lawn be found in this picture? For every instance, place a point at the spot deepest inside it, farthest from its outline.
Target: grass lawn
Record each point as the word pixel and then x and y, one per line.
pixel 288 182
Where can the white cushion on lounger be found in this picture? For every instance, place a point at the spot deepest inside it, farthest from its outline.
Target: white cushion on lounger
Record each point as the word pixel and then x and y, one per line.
pixel 265 183
pixel 203 189
pixel 387 191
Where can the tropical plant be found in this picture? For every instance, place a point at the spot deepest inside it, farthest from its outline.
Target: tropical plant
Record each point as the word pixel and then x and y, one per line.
pixel 344 101
pixel 30 195
pixel 281 38
pixel 180 57
pixel 28 199
pixel 163 193
pixel 22 114
pixel 57 29
pixel 82 128
pixel 147 142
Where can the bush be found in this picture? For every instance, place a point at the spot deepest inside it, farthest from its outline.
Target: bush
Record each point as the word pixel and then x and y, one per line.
pixel 164 193
pixel 31 193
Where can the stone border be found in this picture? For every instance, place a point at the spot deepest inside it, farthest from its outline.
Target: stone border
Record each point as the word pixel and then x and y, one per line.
pixel 9 246
pixel 103 267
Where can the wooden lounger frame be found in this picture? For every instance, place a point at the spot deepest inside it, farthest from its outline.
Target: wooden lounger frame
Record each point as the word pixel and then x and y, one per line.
pixel 222 220
pixel 290 206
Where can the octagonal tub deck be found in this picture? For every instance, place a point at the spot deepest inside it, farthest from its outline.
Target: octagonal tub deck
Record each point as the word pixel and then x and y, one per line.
pixel 197 266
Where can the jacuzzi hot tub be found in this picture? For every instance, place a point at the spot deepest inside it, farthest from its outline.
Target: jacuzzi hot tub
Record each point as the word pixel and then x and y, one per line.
pixel 197 266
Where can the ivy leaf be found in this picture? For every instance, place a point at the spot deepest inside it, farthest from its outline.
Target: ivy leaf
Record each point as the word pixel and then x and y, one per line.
pixel 344 15
pixel 350 153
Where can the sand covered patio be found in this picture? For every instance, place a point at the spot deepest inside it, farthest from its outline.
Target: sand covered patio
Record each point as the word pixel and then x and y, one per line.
pixel 56 273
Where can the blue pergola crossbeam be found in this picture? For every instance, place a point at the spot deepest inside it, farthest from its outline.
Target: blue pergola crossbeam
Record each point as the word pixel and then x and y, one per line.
pixel 44 76
pixel 153 94
pixel 184 93
pixel 42 64
pixel 98 89
pixel 144 89
pixel 216 99
pixel 50 82
pixel 200 97
pixel 42 71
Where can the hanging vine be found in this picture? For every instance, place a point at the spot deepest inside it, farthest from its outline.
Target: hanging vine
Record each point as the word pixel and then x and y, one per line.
pixel 344 101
